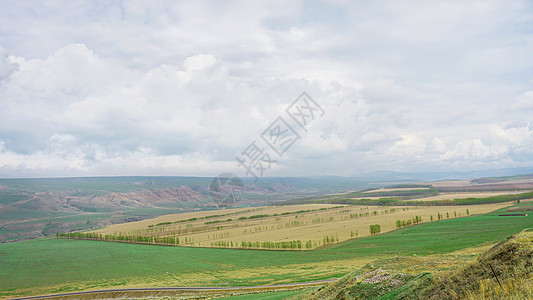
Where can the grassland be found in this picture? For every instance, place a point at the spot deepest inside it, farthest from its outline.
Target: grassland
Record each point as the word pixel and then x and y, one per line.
pixel 276 228
pixel 59 265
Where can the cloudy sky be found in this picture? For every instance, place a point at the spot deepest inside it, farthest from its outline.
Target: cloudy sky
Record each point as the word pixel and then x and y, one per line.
pixel 90 88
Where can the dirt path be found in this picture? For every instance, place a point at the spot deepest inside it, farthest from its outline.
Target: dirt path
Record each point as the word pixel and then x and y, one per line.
pixel 261 288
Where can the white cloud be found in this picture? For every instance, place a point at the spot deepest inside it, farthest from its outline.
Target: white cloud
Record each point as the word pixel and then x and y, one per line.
pixel 409 145
pixel 469 150
pixel 181 88
pixel 6 66
pixel 73 69
pixel 523 102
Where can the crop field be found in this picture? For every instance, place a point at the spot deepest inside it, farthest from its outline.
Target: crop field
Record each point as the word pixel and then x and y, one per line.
pixel 441 195
pixel 396 189
pixel 451 183
pixel 509 183
pixel 464 195
pixel 59 265
pixel 297 227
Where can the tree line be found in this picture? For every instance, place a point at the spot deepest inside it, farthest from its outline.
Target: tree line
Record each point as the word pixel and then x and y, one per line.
pixel 155 240
pixel 175 241
pixel 375 229
pixel 403 223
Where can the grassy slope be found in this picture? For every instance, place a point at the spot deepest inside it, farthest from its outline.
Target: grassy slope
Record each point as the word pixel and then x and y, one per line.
pixel 511 261
pixel 52 262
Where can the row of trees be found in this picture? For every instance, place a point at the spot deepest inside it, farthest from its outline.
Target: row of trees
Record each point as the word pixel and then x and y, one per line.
pixel 403 223
pixel 441 216
pixel 375 229
pixel 356 215
pixel 330 239
pixel 260 216
pixel 224 244
pixel 288 245
pixel 156 240
pixel 375 213
pixel 418 219
pixel 200 218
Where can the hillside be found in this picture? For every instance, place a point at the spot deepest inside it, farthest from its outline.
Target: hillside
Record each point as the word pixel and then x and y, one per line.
pixel 41 207
pixel 503 272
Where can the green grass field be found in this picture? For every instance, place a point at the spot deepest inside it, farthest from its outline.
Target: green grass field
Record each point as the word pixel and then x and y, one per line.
pixel 57 265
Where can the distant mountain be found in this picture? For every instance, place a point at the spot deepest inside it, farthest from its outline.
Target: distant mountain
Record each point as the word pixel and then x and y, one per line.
pixel 443 175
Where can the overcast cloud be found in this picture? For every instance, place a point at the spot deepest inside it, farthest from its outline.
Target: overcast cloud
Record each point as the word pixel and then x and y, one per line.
pixel 182 88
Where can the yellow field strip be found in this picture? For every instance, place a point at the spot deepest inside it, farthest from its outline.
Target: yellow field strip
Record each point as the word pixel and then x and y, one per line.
pixel 463 195
pixel 397 189
pixel 324 224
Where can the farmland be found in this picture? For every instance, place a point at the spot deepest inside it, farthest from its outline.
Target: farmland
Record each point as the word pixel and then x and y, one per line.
pixel 438 196
pixel 59 265
pixel 465 195
pixel 297 227
pixel 226 247
pixel 42 207
pixel 418 197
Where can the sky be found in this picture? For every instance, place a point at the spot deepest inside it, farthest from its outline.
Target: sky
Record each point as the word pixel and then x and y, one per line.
pixel 188 88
